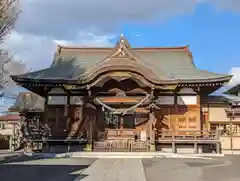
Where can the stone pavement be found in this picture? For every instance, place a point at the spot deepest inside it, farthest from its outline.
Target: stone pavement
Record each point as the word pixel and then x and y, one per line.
pixel 35 169
pixel 115 170
pixel 136 169
pixel 6 154
pixel 221 169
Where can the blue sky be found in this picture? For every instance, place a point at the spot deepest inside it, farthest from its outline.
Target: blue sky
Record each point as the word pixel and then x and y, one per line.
pixel 213 36
pixel 209 27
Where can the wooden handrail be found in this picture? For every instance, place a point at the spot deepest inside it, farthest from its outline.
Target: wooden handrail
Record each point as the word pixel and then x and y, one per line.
pixel 186 134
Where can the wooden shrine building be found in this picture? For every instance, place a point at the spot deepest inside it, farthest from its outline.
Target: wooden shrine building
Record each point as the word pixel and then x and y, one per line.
pixel 122 92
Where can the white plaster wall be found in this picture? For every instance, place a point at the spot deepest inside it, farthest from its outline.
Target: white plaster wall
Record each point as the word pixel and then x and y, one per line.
pixel 187 100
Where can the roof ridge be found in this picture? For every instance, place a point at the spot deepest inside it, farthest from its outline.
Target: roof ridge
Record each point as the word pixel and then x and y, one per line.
pixel 62 47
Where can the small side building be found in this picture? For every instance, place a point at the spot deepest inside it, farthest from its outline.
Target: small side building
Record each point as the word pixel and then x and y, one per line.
pixel 10 133
pixel 222 113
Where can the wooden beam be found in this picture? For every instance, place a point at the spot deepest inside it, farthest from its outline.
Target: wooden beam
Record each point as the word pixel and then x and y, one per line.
pixel 120 99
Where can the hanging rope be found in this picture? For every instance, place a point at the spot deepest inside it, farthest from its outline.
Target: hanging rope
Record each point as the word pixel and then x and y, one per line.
pixel 122 111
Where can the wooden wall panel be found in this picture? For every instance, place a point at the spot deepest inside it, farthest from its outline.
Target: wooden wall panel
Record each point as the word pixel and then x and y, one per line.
pixel 57 121
pixel 178 118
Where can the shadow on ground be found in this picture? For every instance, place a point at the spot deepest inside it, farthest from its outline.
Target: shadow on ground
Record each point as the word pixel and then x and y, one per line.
pixel 30 168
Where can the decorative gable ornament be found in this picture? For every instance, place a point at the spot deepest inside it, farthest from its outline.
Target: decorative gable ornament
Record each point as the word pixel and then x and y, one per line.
pixel 122 49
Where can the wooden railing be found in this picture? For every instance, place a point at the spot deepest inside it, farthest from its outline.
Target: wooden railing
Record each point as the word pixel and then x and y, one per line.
pixel 126 145
pixel 189 137
pixel 120 133
pixel 48 143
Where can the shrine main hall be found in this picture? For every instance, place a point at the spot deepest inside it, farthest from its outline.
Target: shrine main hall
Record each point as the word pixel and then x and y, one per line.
pixel 139 95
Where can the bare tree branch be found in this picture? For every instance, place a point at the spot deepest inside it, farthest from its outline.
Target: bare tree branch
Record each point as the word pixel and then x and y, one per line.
pixel 9 11
pixel 9 66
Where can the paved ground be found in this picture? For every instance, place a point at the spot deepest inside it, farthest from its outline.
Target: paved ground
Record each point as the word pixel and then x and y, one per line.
pixel 221 169
pixel 7 154
pixel 70 169
pixel 33 169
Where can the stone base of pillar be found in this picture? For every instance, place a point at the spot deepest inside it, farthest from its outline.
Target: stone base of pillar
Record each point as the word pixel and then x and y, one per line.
pixel 88 147
pixel 152 147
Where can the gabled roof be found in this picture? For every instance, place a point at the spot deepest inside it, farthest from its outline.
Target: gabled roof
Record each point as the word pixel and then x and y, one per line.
pixel 63 71
pixel 173 64
pixel 223 98
pixel 234 90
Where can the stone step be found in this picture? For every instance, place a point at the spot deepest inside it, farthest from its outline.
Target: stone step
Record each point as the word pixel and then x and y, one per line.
pixel 63 148
pixel 99 145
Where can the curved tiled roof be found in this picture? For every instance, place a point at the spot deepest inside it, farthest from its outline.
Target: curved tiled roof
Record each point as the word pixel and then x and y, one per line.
pixel 162 64
pixel 174 62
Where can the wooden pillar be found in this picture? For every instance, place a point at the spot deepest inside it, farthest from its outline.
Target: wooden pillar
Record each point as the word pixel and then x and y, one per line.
pixel 10 143
pixel 46 108
pixel 198 112
pixel 175 120
pixel 175 99
pixel 90 129
pixel 94 127
pixel 218 144
pixel 231 128
pixel 121 122
pixel 150 122
pixel 208 118
pixel 195 144
pixel 91 133
pixel 121 126
pixel 81 116
pixel 174 150
pixel 68 112
pixel 13 139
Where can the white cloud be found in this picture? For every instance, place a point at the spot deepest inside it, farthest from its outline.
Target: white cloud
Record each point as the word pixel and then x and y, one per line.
pixel 222 5
pixel 235 71
pixel 63 19
pixel 43 23
pixel 37 51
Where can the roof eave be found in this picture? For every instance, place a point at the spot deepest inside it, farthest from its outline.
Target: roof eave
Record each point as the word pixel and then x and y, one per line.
pixel 224 79
pixel 47 80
